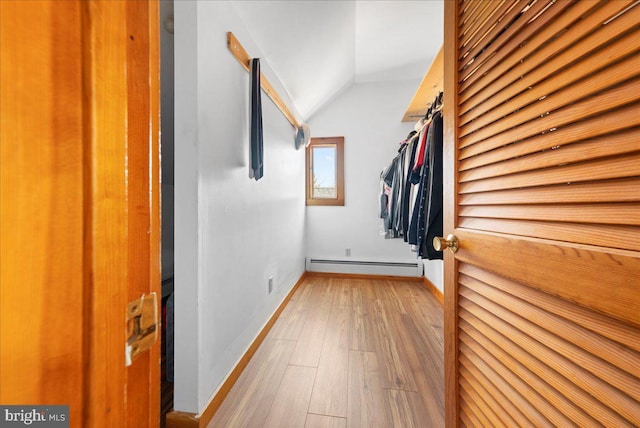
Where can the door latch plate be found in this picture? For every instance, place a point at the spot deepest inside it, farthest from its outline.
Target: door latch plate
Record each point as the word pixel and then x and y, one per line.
pixel 142 326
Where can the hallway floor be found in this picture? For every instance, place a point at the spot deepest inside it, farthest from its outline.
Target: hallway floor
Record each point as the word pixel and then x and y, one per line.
pixel 346 353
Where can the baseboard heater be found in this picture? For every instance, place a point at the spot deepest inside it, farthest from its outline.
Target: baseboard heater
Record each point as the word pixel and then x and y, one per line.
pixel 365 267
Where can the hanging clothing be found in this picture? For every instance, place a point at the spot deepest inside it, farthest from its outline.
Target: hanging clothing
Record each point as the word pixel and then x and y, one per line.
pixel 411 187
pixel 422 146
pixel 430 218
pixel 416 228
pixel 408 193
pixel 393 181
pixel 256 147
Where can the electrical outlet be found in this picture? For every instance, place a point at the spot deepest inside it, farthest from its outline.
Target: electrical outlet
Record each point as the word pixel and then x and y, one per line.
pixel 347 252
pixel 270 284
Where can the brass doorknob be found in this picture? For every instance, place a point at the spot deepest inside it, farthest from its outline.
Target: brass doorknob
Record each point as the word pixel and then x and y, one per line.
pixel 440 244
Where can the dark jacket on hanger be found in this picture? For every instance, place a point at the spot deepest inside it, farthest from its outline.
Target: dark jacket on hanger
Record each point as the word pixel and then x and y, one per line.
pixel 432 209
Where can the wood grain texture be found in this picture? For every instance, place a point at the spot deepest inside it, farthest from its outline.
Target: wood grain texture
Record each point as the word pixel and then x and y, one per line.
pixel 239 53
pixel 366 406
pixel 76 103
pixel 623 237
pixel 107 233
pixel 620 332
pixel 544 203
pixel 558 35
pixel 309 345
pixel 390 352
pixel 585 341
pixel 362 332
pixel 607 125
pixel 347 386
pixel 42 289
pixel 475 388
pixel 576 365
pixel 143 211
pixel 614 190
pixel 545 80
pixel 608 279
pixel 556 20
pixel 155 196
pixel 502 393
pixel 621 214
pixel 599 169
pixel 182 420
pixel 432 83
pixel 291 402
pixel 321 421
pixel 449 207
pixel 487 28
pixel 554 93
pixel 516 130
pixel 611 144
pixel 483 27
pixel 470 66
pixel 261 379
pixel 536 374
pixel 331 386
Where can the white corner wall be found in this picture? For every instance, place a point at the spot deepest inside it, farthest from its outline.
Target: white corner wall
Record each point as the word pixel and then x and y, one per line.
pixel 368 116
pixel 231 233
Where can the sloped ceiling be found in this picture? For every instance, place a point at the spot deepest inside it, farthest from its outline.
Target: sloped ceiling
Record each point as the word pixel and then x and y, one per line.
pixel 317 49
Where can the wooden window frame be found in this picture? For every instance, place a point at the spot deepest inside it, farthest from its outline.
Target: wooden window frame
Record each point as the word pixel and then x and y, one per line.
pixel 338 142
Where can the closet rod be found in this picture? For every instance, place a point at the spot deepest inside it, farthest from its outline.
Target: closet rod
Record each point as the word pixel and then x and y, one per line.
pixel 245 60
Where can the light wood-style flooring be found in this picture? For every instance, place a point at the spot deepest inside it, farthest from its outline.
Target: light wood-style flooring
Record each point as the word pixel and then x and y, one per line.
pixel 346 353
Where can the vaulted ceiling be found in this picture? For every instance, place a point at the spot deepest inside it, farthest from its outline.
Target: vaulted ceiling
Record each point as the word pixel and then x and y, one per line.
pixel 317 49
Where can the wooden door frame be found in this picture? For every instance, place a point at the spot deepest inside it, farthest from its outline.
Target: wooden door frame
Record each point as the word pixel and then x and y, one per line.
pixel 122 191
pixel 81 206
pixel 450 219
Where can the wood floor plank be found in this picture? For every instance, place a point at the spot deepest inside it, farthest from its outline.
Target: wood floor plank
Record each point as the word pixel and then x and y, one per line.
pixel 289 408
pixel 329 395
pixel 366 407
pixel 346 352
pixel 428 370
pixel 391 353
pixel 249 401
pixel 322 421
pixel 309 345
pixel 406 409
pixel 341 293
pixel 363 330
pixel 290 323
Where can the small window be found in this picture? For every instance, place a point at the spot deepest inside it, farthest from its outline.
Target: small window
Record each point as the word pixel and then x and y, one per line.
pixel 325 171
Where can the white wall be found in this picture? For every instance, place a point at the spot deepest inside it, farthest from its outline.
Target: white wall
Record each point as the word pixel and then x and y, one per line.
pixel 368 116
pixel 231 233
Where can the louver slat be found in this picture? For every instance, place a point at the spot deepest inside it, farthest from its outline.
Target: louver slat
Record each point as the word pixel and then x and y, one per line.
pixel 545 124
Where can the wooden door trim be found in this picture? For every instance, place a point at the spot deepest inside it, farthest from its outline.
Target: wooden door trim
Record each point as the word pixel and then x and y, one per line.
pixel 114 172
pixel 450 171
pixel 106 225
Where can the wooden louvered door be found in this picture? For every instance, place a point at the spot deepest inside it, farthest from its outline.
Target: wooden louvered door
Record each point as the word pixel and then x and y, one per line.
pixel 542 189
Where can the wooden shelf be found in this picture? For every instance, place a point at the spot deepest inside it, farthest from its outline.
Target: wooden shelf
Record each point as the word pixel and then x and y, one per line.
pixel 432 84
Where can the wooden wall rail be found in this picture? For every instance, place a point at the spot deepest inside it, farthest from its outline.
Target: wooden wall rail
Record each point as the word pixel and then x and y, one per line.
pixel 245 59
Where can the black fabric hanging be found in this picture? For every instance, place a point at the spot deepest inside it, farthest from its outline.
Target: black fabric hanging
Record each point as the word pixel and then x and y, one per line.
pixel 256 149
pixel 432 210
